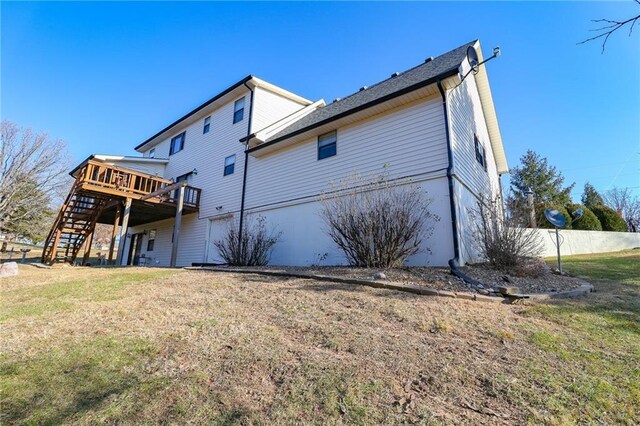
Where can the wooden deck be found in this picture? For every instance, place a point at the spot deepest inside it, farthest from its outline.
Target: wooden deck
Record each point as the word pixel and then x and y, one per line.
pixel 98 195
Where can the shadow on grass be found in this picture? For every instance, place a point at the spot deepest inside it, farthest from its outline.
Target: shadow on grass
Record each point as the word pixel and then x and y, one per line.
pixel 56 385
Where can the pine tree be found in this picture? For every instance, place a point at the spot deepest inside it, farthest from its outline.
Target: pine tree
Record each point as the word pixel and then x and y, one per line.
pixel 546 182
pixel 591 197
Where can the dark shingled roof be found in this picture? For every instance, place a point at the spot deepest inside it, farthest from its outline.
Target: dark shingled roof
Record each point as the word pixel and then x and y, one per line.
pixel 417 76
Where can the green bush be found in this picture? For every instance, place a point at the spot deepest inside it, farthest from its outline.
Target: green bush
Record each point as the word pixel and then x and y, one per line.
pixel 588 222
pixel 610 219
pixel 542 221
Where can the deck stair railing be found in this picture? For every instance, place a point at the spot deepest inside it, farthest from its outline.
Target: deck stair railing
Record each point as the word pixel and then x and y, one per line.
pixel 96 186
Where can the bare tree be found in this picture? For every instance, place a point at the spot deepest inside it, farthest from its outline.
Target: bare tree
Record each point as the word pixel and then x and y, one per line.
pixel 252 248
pixel 504 242
pixel 32 178
pixel 626 203
pixel 609 26
pixel 378 223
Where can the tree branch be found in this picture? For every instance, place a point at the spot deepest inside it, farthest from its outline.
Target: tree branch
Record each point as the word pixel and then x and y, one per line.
pixel 613 26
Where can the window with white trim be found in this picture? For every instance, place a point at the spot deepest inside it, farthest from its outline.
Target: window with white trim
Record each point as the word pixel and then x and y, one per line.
pixel 327 145
pixel 229 165
pixel 151 241
pixel 238 110
pixel 207 124
pixel 177 143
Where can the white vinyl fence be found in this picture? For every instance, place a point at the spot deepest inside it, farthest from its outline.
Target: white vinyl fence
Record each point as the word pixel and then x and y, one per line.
pixel 586 242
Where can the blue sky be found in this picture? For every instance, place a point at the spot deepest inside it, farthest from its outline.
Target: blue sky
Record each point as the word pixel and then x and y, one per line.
pixel 105 76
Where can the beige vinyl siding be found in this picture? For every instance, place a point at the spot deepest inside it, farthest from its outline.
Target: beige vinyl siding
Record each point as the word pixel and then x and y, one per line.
pixel 206 153
pixel 270 107
pixel 144 167
pixel 467 119
pixel 409 139
pixel 191 244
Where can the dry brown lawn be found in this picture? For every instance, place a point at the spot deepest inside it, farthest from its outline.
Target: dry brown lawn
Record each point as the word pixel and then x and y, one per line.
pixel 143 345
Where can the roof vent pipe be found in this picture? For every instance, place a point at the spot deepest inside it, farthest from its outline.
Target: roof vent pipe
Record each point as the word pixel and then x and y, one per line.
pixel 336 99
pixel 363 88
pixel 395 74
pixel 429 59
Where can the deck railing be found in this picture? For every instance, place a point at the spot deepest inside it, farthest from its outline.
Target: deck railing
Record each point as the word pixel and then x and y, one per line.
pixel 101 177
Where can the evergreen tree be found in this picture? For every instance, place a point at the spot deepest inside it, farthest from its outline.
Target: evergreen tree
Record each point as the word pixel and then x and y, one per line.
pixel 591 197
pixel 546 182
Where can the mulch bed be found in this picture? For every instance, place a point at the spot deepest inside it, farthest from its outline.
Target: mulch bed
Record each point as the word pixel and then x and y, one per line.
pixel 442 279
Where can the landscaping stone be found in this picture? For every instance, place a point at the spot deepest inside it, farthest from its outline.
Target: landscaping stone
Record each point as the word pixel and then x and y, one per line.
pixel 8 269
pixel 379 276
pixel 506 290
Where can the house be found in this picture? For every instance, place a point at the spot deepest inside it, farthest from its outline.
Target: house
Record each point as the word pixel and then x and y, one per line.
pixel 256 148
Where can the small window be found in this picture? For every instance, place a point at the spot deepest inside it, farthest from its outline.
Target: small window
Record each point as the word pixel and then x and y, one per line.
pixel 207 123
pixel 480 154
pixel 152 240
pixel 238 110
pixel 229 165
pixel 152 152
pixel 177 143
pixel 327 144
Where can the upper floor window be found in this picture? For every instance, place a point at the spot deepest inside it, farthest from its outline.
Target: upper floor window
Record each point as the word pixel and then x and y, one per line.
pixel 177 143
pixel 327 145
pixel 238 110
pixel 152 152
pixel 207 124
pixel 229 164
pixel 480 153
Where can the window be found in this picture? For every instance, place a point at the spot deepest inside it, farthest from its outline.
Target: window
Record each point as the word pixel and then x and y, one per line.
pixel 327 145
pixel 186 176
pixel 177 143
pixel 152 240
pixel 238 110
pixel 229 165
pixel 152 152
pixel 182 178
pixel 207 123
pixel 480 154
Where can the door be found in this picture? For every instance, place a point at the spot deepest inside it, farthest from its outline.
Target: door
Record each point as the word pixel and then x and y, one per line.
pixel 217 230
pixel 135 249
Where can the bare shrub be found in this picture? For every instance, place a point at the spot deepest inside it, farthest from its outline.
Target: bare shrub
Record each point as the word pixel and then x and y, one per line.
pixel 377 223
pixel 252 248
pixel 504 242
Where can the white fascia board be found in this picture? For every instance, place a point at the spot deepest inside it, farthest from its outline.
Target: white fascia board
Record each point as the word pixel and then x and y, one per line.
pixel 258 82
pixel 264 134
pixel 126 158
pixel 490 117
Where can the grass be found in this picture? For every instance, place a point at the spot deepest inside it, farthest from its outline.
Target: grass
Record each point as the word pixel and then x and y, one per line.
pixel 144 345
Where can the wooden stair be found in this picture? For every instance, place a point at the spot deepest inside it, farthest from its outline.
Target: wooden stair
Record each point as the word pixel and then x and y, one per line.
pixel 75 222
pixel 99 186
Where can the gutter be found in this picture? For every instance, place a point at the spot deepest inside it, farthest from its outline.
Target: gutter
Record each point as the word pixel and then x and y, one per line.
pixel 454 262
pixel 374 102
pixel 246 162
pixel 210 101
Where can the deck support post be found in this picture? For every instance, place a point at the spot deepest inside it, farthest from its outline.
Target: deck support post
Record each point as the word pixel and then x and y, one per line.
pixel 54 248
pixel 87 247
pixel 123 231
pixel 114 232
pixel 176 228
